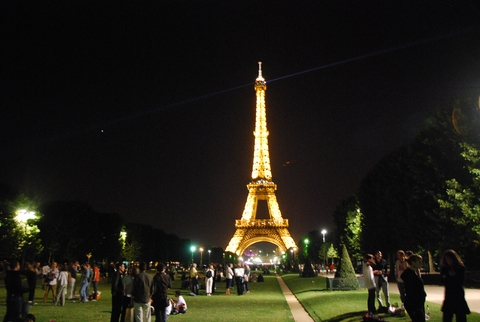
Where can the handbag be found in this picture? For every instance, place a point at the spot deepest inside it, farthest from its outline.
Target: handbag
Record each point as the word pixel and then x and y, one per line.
pixel 129 315
pixel 245 278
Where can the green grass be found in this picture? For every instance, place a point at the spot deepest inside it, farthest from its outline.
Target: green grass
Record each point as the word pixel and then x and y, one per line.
pixel 336 306
pixel 266 302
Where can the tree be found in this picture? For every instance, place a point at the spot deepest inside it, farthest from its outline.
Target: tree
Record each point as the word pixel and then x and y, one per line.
pixel 18 227
pixel 346 272
pixel 462 206
pixel 348 219
pixel 332 252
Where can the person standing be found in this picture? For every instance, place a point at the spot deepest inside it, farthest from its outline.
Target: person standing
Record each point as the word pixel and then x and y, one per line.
pixel 31 274
pixel 117 291
pixel 62 282
pixel 16 308
pixel 72 279
pixel 414 289
pixel 142 295
pixel 453 275
pixel 51 283
pixel 127 303
pixel 400 267
pixel 209 275
pixel 381 282
pixel 229 278
pixel 246 277
pixel 369 279
pixel 194 278
pixel 239 272
pixel 161 284
pixel 85 282
pixel 95 280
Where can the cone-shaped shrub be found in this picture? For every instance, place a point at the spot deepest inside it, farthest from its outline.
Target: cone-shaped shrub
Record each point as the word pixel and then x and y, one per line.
pixel 346 272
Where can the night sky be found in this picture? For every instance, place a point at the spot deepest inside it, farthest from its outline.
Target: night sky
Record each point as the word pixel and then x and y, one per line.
pixel 146 108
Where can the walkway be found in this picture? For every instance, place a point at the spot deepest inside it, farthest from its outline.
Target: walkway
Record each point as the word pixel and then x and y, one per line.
pixel 298 312
pixel 435 294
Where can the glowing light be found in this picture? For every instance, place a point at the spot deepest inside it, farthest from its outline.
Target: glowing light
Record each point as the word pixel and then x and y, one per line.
pixel 23 215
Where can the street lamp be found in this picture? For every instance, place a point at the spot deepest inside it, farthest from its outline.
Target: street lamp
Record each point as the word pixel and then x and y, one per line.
pixel 192 249
pixel 22 217
pixel 209 251
pixel 201 255
pixel 324 232
pixel 306 241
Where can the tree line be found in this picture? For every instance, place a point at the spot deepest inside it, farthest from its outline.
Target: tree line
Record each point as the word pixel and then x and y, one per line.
pixel 73 230
pixel 423 196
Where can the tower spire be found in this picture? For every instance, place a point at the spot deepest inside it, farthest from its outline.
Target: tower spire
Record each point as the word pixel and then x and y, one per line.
pixel 261 158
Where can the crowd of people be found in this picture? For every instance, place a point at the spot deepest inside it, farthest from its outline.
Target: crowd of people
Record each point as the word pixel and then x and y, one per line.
pixel 59 280
pixel 410 285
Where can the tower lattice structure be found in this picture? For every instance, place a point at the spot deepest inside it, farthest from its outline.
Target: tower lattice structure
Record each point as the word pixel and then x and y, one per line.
pixel 249 229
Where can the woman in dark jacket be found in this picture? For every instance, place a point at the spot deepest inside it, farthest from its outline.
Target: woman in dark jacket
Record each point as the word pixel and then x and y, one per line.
pixel 453 275
pixel 414 291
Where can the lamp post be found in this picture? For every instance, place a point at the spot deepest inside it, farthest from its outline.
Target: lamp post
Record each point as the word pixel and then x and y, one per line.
pixel 324 232
pixel 192 249
pixel 209 251
pixel 201 255
pixel 306 242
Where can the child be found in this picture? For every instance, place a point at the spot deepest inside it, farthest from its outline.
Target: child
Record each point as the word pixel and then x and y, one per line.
pixel 369 281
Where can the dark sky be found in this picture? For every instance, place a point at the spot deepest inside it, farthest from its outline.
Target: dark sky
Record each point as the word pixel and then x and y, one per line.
pixel 146 108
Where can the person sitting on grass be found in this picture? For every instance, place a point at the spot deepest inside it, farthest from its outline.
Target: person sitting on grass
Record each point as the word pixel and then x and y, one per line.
pixel 180 306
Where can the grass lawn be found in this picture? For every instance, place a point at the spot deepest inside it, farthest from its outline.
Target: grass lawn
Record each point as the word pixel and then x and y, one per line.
pixel 336 306
pixel 266 302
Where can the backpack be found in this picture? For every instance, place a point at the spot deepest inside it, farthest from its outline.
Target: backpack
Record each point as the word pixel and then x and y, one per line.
pixel 209 274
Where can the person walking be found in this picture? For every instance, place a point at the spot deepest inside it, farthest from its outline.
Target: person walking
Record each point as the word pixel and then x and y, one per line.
pixel 453 276
pixel 161 284
pixel 142 295
pixel 369 279
pixel 117 291
pixel 414 290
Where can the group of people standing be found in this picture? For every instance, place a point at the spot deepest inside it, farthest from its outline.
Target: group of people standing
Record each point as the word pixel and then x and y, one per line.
pixel 56 279
pixel 410 284
pixel 241 275
pixel 136 294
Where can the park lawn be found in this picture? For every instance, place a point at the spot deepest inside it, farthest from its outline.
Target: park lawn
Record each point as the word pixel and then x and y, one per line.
pixel 266 302
pixel 336 306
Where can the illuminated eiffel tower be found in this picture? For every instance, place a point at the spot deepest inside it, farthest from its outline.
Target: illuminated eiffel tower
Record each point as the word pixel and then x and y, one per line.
pixel 250 230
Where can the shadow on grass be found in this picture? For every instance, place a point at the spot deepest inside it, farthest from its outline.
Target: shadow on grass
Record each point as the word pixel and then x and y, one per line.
pixel 350 316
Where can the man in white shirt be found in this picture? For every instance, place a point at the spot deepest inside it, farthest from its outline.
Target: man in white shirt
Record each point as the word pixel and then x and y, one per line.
pixel 239 272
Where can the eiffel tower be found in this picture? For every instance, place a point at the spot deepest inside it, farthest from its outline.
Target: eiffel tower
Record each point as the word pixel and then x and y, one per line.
pixel 250 230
